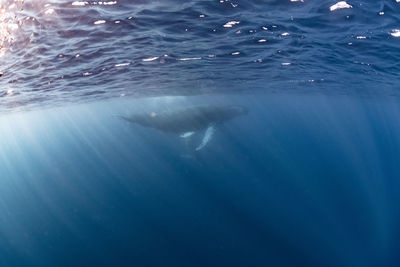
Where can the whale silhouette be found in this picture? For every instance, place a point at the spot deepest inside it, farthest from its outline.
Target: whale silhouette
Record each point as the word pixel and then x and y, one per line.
pixel 188 121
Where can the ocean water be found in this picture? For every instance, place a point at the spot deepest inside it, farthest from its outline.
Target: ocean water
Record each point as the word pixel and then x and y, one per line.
pixel 308 174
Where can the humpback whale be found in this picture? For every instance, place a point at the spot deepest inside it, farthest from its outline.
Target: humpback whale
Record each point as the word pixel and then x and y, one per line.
pixel 188 121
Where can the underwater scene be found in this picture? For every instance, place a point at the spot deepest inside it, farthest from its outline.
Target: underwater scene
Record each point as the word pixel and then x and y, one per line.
pixel 200 133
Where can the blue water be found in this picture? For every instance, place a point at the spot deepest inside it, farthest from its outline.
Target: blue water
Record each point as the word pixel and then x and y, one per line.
pixel 309 177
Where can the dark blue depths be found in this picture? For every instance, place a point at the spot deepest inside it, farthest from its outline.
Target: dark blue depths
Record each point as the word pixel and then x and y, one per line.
pixel 300 181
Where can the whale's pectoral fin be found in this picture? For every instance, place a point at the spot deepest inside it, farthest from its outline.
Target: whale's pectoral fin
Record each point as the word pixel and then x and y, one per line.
pixel 207 137
pixel 186 135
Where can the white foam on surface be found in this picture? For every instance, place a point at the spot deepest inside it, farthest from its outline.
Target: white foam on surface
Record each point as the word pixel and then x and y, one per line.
pixel 340 5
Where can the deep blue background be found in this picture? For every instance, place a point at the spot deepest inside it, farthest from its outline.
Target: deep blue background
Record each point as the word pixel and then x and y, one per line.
pixel 302 180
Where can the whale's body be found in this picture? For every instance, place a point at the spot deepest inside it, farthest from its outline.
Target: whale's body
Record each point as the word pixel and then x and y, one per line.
pixel 188 121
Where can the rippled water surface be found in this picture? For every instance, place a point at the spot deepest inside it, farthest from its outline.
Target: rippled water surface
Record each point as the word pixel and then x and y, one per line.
pixel 293 161
pixel 66 51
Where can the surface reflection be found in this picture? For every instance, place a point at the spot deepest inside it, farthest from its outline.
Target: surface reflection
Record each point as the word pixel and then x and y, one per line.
pixel 9 23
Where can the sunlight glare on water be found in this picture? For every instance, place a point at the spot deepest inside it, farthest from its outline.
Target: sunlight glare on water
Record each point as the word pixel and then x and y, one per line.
pixel 8 22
